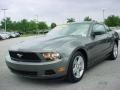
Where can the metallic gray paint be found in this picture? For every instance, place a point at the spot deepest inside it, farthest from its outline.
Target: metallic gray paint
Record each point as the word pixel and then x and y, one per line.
pixel 96 49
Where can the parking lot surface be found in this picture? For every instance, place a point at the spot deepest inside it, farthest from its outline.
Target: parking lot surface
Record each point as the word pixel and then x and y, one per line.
pixel 104 76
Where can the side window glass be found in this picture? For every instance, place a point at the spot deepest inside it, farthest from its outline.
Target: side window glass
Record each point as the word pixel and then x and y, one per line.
pixel 107 28
pixel 99 29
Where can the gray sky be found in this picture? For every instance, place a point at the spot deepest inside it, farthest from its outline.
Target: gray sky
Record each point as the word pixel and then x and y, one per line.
pixel 59 10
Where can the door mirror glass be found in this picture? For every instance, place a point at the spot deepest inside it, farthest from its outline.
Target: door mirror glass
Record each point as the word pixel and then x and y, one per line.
pixel 94 34
pixel 98 33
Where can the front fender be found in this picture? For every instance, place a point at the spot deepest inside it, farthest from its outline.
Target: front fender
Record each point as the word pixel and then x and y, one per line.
pixel 70 48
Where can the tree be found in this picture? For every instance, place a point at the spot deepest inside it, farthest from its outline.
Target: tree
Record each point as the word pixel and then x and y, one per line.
pixel 42 25
pixel 112 21
pixel 53 25
pixel 24 25
pixel 32 25
pixel 87 18
pixel 8 24
pixel 70 20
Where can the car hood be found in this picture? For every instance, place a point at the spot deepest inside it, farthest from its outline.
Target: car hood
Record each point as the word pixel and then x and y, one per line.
pixel 43 44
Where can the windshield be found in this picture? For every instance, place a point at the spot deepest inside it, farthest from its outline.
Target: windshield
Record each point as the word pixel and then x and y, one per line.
pixel 71 29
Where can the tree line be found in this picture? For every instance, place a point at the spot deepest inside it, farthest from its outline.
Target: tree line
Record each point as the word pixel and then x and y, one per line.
pixel 33 26
pixel 25 25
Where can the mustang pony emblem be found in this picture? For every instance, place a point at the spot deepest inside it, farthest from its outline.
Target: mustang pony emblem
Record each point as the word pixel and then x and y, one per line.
pixel 19 55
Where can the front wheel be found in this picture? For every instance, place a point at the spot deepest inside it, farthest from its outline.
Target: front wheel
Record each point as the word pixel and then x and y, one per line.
pixel 76 67
pixel 114 52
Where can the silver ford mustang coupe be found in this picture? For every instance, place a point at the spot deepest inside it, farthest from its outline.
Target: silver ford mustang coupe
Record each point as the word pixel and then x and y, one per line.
pixel 66 51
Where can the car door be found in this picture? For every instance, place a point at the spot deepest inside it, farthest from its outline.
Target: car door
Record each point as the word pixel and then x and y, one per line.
pixel 99 43
pixel 110 39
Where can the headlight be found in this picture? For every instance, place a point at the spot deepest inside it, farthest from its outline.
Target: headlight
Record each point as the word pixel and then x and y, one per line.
pixel 51 55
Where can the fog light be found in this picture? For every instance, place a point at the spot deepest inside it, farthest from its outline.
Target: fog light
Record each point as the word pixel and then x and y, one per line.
pixel 61 69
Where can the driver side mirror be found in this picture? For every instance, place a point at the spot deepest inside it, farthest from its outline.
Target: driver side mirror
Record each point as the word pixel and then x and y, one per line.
pixel 94 34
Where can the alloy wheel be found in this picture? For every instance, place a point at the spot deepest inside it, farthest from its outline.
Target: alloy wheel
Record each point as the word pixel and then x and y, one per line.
pixel 78 66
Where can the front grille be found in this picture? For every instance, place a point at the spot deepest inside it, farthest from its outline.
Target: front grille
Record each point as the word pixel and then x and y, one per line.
pixel 25 73
pixel 24 56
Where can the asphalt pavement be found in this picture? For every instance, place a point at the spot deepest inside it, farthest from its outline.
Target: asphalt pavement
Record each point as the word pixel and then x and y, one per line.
pixel 104 76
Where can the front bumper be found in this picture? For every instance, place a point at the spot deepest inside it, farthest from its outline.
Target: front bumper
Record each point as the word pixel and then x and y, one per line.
pixel 43 70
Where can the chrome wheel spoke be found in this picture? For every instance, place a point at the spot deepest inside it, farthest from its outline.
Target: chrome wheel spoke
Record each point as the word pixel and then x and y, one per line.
pixel 78 73
pixel 74 69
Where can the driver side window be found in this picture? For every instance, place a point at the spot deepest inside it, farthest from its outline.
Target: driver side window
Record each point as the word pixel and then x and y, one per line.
pixel 99 29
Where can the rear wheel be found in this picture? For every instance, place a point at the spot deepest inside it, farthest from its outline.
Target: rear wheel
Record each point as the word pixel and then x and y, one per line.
pixel 76 67
pixel 114 52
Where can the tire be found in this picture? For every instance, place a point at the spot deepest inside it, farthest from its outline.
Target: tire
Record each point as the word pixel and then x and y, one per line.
pixel 76 67
pixel 114 52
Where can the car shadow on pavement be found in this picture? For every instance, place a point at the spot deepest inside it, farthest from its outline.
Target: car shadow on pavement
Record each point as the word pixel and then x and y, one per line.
pixel 47 82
